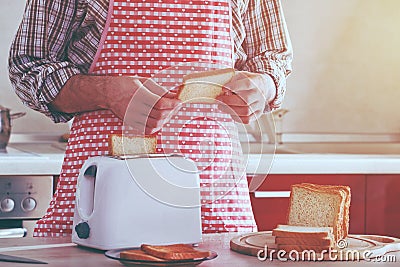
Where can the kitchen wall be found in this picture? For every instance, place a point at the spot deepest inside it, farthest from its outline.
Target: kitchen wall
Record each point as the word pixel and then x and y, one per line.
pixel 346 68
pixel 34 122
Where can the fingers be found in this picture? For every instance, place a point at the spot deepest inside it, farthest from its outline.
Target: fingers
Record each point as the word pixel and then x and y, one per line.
pixel 243 114
pixel 240 110
pixel 154 87
pixel 167 103
pixel 162 112
pixel 243 97
pixel 153 125
pixel 148 111
pixel 239 98
pixel 243 81
pixel 250 118
pixel 244 106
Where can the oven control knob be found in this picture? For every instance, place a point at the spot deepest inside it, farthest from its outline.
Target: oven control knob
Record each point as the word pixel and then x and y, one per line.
pixel 7 205
pixel 29 204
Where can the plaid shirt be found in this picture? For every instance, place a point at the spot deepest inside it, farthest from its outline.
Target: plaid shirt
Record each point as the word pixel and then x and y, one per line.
pixel 58 39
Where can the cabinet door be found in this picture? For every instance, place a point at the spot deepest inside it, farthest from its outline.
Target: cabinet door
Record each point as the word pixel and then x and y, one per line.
pixel 271 199
pixel 383 205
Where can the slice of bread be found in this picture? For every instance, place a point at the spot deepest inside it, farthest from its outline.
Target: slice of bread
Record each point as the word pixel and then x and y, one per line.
pixel 120 145
pixel 320 206
pixel 137 254
pixel 299 238
pixel 343 216
pixel 174 252
pixel 301 248
pixel 325 241
pixel 204 87
pixel 302 231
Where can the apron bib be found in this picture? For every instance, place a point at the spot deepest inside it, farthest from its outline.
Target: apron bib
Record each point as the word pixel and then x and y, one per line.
pixel 164 40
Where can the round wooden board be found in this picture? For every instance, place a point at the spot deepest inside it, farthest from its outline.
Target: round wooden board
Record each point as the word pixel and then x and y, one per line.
pixel 358 246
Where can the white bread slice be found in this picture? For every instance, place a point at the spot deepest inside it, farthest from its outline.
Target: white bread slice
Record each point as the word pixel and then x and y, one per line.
pixel 300 248
pixel 318 206
pixel 293 231
pixel 120 145
pixel 204 87
pixel 174 251
pixel 325 241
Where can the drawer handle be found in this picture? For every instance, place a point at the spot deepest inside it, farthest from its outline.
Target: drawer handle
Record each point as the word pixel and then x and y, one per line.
pixel 271 194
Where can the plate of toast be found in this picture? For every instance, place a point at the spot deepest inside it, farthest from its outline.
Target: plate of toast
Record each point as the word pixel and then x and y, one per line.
pixel 161 255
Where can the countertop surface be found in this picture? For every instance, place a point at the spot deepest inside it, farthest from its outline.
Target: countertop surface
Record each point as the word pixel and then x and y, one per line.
pixel 32 159
pixel 45 158
pixel 322 164
pixel 59 252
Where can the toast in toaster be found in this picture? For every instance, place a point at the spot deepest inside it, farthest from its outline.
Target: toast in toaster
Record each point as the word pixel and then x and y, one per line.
pixel 120 145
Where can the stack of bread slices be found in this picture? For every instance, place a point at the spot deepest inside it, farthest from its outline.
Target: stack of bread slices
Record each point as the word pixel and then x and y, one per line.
pixel 318 217
pixel 299 238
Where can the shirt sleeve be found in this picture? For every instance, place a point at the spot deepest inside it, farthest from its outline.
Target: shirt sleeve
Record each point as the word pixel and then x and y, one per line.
pixel 267 44
pixel 38 65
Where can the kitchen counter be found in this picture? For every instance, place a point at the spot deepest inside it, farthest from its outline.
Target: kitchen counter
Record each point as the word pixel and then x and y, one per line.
pixel 32 159
pixel 46 157
pixel 60 252
pixel 322 164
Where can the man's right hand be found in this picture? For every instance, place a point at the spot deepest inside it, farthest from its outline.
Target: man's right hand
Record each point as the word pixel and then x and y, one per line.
pixel 141 103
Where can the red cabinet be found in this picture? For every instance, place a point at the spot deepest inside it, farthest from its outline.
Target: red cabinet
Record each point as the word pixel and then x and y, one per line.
pixel 383 205
pixel 271 199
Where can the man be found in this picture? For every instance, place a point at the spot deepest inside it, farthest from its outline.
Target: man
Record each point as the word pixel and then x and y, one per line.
pixel 99 60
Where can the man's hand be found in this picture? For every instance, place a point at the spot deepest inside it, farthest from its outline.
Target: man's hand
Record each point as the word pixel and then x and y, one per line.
pixel 246 95
pixel 148 108
pixel 140 102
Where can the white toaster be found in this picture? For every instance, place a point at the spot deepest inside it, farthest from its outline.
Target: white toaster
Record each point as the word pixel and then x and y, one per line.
pixel 125 202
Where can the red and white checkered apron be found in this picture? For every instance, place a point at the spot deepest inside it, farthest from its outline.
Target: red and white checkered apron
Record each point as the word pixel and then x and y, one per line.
pixel 165 39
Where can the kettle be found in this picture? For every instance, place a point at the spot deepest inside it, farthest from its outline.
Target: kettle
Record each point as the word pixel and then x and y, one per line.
pixel 5 125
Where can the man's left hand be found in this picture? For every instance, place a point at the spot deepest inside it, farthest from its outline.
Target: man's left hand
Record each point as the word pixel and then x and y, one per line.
pixel 246 96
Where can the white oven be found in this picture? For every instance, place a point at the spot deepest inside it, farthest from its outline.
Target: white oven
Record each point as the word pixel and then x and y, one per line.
pixel 24 197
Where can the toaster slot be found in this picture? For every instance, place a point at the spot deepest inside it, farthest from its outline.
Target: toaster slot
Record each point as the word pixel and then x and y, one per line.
pixel 87 191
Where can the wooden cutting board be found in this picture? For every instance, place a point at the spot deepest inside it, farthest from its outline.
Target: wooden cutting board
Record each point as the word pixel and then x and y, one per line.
pixel 356 247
